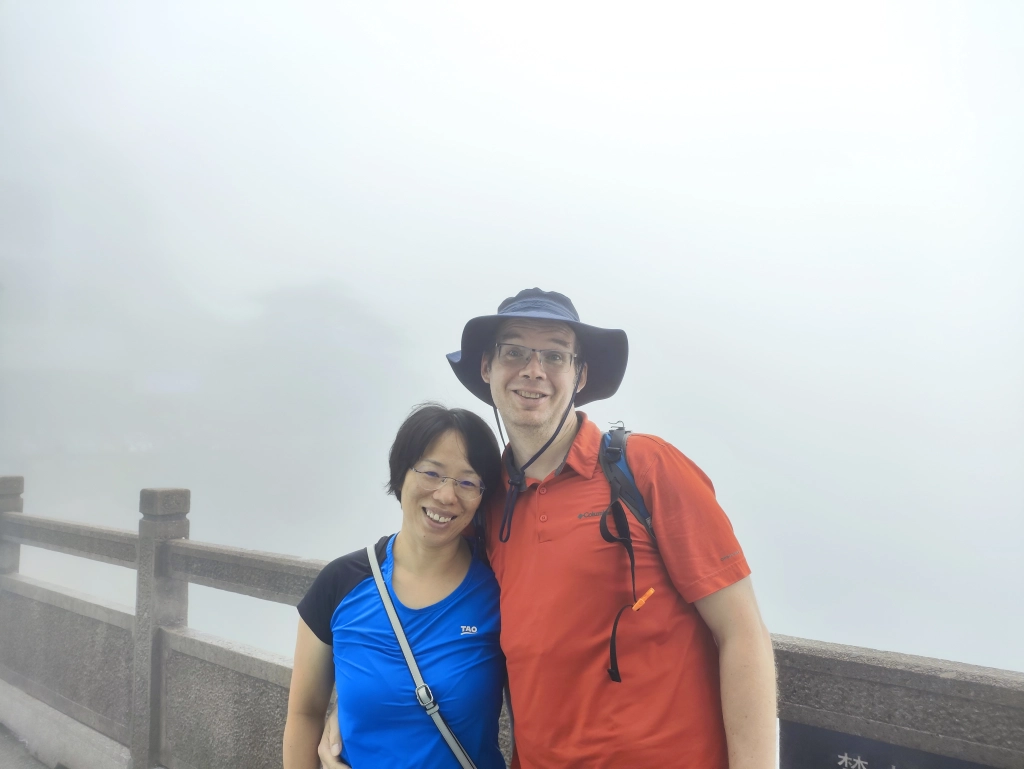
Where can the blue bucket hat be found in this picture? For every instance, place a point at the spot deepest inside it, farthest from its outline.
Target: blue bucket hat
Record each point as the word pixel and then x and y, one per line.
pixel 605 350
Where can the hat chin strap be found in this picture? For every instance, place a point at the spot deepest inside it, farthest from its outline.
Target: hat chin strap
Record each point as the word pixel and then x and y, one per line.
pixel 497 421
pixel 517 477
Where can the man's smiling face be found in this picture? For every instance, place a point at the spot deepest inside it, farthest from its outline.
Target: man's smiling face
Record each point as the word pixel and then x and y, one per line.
pixel 531 396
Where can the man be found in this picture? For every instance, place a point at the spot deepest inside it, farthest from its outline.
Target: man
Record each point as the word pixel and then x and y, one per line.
pixel 686 680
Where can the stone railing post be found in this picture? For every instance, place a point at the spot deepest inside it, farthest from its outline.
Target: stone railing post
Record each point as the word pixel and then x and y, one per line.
pixel 11 489
pixel 159 601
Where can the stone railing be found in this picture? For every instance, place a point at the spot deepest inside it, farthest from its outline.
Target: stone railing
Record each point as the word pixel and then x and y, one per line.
pixel 89 685
pixel 894 710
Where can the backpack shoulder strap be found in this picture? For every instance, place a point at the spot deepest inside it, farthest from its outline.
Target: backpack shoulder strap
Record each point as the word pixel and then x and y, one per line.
pixel 624 493
pixel 616 469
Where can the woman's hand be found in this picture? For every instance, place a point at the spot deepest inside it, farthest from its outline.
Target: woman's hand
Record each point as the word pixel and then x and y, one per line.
pixel 312 678
pixel 330 744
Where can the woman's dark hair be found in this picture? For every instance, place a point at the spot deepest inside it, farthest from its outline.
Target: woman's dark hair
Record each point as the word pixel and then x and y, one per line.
pixel 429 421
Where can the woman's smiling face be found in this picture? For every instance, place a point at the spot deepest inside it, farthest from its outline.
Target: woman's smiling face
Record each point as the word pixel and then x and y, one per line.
pixel 438 517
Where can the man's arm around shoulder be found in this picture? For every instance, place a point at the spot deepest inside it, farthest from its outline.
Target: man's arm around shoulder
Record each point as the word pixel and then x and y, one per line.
pixel 747 670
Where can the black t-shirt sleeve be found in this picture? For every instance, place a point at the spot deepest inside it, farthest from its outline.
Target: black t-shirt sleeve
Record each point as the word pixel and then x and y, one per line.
pixel 335 581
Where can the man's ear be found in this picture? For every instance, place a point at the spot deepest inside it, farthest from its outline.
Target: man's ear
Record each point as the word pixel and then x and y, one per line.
pixel 485 368
pixel 583 378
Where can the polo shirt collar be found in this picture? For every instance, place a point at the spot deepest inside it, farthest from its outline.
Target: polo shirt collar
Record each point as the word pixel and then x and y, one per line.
pixel 583 456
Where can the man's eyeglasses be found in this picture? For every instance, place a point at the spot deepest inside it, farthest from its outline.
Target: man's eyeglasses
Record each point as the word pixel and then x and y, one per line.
pixel 517 356
pixel 431 480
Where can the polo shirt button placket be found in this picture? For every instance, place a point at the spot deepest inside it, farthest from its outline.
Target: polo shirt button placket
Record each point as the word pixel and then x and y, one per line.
pixel 543 532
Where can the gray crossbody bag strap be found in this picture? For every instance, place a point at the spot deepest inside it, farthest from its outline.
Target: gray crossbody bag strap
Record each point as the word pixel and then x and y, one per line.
pixel 423 694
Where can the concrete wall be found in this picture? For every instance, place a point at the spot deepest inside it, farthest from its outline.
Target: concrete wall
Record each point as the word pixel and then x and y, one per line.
pixel 224 704
pixel 69 652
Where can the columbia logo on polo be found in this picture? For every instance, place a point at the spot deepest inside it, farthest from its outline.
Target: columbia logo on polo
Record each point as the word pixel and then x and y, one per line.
pixel 468 629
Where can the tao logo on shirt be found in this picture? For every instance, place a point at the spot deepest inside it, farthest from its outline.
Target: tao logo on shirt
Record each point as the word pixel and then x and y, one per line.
pixel 468 629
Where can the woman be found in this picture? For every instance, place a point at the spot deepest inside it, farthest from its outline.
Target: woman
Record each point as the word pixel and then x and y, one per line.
pixel 444 464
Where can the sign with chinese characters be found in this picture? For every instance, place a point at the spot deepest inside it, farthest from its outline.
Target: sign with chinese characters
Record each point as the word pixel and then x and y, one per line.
pixel 808 747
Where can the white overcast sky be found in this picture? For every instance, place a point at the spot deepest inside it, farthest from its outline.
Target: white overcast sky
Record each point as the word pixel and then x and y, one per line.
pixel 236 241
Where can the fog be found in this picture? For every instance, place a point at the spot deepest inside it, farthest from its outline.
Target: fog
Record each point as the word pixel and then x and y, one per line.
pixel 237 240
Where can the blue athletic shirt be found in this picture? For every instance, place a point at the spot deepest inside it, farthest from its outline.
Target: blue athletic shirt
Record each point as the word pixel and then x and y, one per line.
pixel 455 642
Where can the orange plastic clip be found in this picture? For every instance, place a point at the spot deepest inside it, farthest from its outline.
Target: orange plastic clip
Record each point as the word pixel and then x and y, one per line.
pixel 643 599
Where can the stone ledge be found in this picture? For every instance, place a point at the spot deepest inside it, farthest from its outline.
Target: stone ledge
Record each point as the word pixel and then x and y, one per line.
pixel 75 662
pixel 81 714
pixel 239 657
pixel 951 709
pixel 956 679
pixel 82 604
pixel 222 708
pixel 55 738
pixel 14 753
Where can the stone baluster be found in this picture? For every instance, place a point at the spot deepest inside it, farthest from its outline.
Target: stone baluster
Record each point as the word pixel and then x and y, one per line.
pixel 159 602
pixel 11 489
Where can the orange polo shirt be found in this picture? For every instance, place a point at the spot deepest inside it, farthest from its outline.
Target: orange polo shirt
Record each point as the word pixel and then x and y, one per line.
pixel 561 586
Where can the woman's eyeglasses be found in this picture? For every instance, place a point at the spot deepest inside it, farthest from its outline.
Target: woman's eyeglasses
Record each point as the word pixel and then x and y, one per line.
pixel 431 480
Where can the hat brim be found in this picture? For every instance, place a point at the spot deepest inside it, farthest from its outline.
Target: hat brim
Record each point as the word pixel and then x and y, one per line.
pixel 606 350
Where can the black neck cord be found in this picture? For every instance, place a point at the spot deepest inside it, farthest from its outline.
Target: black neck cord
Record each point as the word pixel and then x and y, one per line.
pixel 497 420
pixel 517 477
